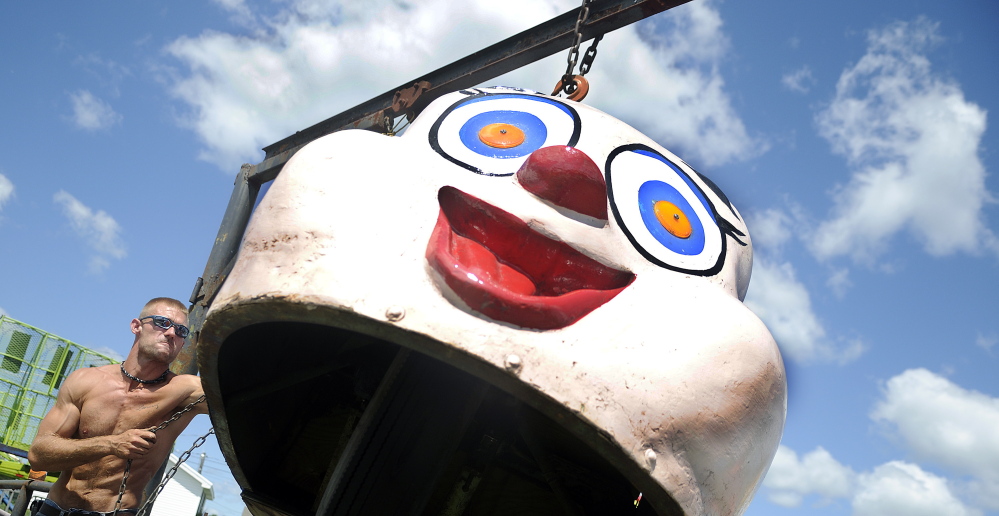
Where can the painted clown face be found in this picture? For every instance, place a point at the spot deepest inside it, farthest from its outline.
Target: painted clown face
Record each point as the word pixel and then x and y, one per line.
pixel 565 263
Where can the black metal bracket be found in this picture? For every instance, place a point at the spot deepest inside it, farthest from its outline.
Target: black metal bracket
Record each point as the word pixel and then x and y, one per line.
pixel 510 54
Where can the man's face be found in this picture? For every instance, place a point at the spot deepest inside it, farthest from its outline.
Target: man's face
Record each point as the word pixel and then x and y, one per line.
pixel 155 342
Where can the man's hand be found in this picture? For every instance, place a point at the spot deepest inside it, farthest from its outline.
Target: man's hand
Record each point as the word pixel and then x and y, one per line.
pixel 132 444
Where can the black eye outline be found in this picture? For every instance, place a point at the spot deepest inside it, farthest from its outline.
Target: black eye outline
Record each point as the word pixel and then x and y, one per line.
pixel 435 140
pixel 686 174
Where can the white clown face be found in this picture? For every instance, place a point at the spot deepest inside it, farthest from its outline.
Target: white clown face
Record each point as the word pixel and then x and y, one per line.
pixel 548 249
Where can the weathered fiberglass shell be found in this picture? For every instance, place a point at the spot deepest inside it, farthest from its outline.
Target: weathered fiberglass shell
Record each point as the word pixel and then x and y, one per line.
pixel 412 326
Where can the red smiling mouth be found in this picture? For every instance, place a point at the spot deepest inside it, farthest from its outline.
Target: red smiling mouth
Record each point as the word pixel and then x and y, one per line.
pixel 505 270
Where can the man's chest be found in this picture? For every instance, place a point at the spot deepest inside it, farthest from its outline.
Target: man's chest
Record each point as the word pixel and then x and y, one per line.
pixel 113 411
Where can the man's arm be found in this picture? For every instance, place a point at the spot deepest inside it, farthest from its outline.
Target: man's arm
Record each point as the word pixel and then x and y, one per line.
pixel 196 391
pixel 56 449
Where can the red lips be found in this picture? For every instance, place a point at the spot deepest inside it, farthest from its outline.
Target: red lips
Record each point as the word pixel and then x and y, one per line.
pixel 505 270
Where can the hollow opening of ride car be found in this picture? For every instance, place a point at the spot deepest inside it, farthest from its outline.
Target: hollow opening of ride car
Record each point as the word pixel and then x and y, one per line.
pixel 337 422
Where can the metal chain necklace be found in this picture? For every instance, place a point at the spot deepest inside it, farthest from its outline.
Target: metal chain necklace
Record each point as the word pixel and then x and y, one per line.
pixel 145 382
pixel 187 454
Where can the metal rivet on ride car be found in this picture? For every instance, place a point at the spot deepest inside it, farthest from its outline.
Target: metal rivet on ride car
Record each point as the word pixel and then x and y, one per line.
pixel 513 363
pixel 395 313
pixel 650 458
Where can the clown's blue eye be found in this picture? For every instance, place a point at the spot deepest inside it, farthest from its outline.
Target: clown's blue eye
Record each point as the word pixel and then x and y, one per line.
pixel 670 218
pixel 503 134
pixel 492 134
pixel 663 211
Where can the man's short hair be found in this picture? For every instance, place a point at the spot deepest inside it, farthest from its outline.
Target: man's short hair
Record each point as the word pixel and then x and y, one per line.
pixel 169 301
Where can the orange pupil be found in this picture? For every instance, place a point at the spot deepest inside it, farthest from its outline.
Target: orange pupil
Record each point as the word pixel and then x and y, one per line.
pixel 673 219
pixel 501 136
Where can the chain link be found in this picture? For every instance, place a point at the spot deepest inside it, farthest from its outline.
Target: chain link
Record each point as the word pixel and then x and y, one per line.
pixel 169 474
pixel 128 465
pixel 121 490
pixel 584 13
pixel 180 413
pixel 568 82
pixel 589 56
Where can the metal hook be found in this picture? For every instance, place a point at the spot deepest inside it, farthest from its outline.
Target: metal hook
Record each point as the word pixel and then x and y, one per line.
pixel 576 89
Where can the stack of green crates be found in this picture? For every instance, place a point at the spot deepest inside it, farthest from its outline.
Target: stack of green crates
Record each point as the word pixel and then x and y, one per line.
pixel 33 364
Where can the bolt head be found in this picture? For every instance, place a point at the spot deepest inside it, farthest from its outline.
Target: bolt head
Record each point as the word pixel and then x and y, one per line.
pixel 650 458
pixel 395 313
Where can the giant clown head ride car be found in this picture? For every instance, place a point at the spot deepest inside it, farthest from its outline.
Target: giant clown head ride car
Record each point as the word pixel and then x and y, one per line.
pixel 558 258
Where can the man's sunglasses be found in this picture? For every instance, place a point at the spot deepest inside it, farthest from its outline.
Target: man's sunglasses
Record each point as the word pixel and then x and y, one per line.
pixel 165 323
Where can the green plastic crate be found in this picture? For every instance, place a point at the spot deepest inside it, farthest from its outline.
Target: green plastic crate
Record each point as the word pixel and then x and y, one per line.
pixel 33 364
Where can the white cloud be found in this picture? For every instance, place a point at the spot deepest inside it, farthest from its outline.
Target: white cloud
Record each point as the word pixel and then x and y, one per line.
pixel 913 142
pixel 232 5
pixel 778 298
pixel 839 281
pixel 986 342
pixel 790 479
pixel 935 421
pixel 92 113
pixel 942 422
pixel 98 230
pixel 898 488
pixel 891 489
pixel 6 190
pixel 785 306
pixel 240 13
pixel 316 59
pixel 770 229
pixel 672 65
pixel 800 80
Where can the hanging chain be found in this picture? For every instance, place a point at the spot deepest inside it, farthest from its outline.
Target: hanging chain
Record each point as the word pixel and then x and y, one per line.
pixel 589 56
pixel 575 86
pixel 568 85
pixel 169 474
pixel 128 465
pixel 180 413
pixel 121 490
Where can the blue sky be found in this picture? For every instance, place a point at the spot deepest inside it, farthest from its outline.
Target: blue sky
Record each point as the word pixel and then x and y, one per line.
pixel 855 137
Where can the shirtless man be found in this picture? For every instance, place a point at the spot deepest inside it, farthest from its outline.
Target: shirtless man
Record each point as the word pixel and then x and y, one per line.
pixel 102 418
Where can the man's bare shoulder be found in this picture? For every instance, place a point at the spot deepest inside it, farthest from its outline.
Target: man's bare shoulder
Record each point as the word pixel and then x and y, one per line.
pixel 98 371
pixel 190 386
pixel 189 381
pixel 88 376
